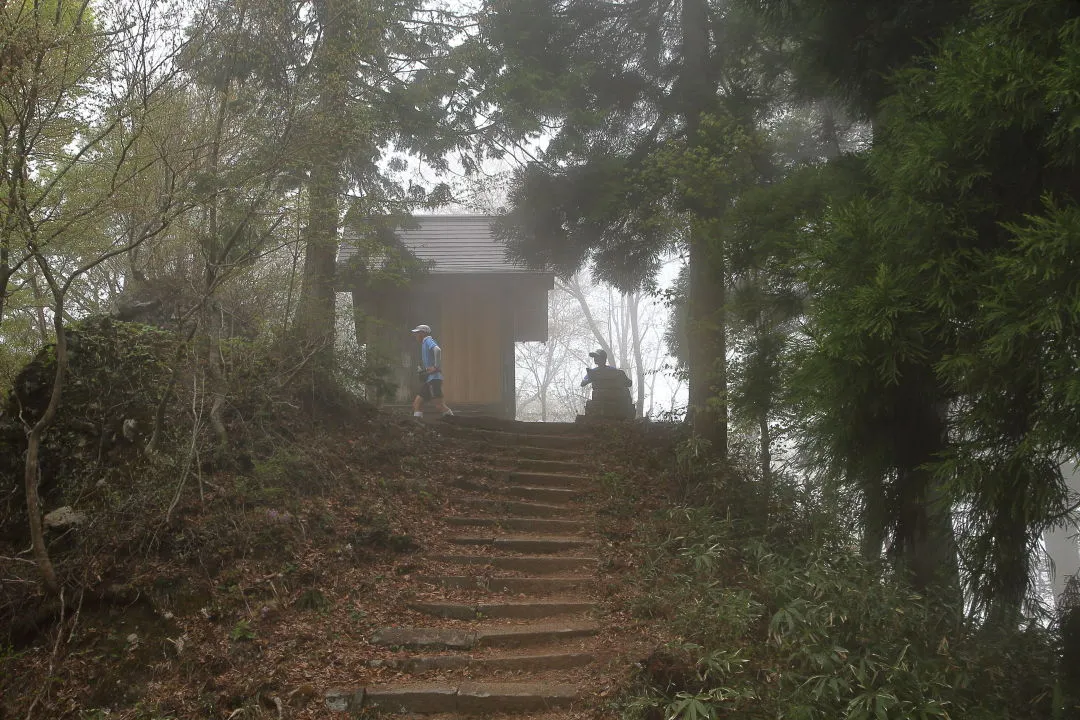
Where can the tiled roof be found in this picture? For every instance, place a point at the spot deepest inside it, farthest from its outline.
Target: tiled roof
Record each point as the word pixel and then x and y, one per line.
pixel 453 244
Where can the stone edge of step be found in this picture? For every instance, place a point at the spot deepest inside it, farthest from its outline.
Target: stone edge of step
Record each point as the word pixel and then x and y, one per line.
pixel 454 638
pixel 465 697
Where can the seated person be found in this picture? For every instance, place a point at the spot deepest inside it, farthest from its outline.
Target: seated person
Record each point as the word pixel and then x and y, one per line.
pixel 604 370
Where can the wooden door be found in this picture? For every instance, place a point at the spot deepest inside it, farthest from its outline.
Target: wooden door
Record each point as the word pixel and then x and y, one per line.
pixel 471 341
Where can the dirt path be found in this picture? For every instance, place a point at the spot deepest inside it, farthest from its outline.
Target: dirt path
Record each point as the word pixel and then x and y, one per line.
pixel 510 619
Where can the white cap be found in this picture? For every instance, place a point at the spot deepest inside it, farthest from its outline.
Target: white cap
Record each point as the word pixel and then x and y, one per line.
pixel 422 328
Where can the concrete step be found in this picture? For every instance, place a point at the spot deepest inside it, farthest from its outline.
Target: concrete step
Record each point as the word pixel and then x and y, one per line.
pixel 516 508
pixel 541 565
pixel 523 610
pixel 526 543
pixel 463 699
pixel 516 585
pixel 550 480
pixel 536 662
pixel 542 494
pixel 536 525
pixel 495 636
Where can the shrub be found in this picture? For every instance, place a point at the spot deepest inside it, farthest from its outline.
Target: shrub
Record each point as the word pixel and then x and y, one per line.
pixel 813 631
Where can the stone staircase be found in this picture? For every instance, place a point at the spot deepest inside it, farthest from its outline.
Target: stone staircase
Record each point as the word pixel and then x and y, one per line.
pixel 513 618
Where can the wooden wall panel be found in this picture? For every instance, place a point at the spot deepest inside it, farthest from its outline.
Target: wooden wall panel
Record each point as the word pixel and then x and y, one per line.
pixel 470 336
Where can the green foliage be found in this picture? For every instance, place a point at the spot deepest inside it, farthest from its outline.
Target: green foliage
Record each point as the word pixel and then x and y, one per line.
pixel 313 599
pixel 944 298
pixel 695 464
pixel 852 49
pixel 116 374
pixel 20 340
pixel 242 631
pixel 621 181
pixel 621 494
pixel 772 626
pixel 281 469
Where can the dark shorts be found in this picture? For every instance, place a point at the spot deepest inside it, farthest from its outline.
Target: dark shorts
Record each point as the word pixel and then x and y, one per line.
pixel 432 389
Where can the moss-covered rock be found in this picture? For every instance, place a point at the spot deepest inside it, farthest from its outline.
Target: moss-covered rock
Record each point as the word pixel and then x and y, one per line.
pixel 117 372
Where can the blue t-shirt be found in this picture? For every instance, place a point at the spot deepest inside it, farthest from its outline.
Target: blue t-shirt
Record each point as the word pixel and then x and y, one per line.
pixel 427 357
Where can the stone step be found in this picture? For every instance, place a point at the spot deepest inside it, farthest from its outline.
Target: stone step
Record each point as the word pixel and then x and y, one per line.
pixel 524 610
pixel 550 480
pixel 469 698
pixel 500 438
pixel 541 564
pixel 547 585
pixel 516 508
pixel 494 636
pixel 537 525
pixel 536 453
pixel 482 422
pixel 555 442
pixel 548 466
pixel 538 662
pixel 526 543
pixel 522 452
pixel 516 636
pixel 543 494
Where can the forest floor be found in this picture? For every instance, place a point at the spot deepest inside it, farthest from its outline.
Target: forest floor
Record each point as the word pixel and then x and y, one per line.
pixel 277 592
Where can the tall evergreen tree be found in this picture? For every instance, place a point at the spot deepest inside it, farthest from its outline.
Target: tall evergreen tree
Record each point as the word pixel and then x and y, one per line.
pixel 877 415
pixel 946 302
pixel 366 77
pixel 653 105
pixel 850 49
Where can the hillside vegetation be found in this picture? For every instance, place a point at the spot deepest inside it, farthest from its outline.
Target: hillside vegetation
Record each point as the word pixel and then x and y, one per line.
pixel 247 581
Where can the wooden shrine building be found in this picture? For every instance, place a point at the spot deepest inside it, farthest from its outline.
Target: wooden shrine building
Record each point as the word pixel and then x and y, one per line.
pixel 477 302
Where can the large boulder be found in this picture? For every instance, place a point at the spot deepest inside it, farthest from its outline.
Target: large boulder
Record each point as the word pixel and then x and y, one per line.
pixel 116 374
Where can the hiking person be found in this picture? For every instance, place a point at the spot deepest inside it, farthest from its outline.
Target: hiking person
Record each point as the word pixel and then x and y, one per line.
pixel 430 372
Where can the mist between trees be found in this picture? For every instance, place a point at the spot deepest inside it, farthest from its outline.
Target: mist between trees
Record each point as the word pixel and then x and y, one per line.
pixel 583 317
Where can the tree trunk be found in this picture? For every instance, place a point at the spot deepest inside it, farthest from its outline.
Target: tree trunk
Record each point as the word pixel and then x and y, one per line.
pixel 314 327
pixel 707 346
pixel 292 270
pixel 633 300
pixel 929 544
pixel 5 278
pixel 33 507
pixel 925 540
pixel 707 352
pixel 33 439
pixel 39 302
pixel 765 446
pixel 7 224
